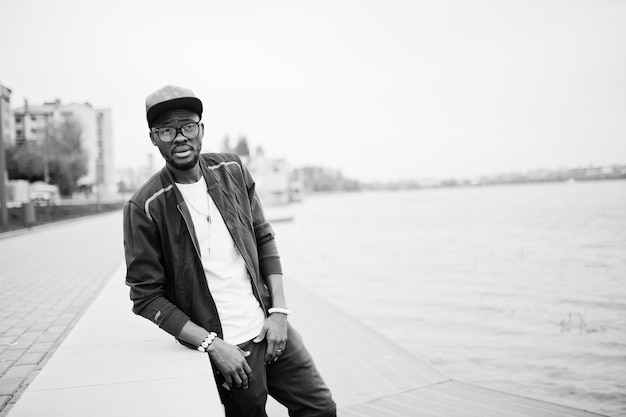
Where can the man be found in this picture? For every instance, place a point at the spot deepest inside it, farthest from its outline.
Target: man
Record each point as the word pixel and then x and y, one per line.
pixel 203 265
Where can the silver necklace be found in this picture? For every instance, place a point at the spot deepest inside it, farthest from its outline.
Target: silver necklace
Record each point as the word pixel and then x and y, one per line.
pixel 206 215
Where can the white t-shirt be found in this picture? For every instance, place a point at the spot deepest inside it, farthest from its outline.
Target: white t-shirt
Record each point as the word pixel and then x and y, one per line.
pixel 225 270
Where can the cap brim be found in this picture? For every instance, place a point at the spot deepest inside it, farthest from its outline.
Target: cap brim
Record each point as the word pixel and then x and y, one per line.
pixel 190 103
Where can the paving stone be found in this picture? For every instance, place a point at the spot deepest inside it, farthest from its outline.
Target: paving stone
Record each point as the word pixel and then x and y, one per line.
pixel 41 325
pixel 7 340
pixel 8 324
pixel 19 371
pixel 15 331
pixel 66 320
pixel 30 358
pixel 4 365
pixel 25 341
pixel 11 355
pixel 25 322
pixel 56 329
pixel 16 345
pixel 9 385
pixel 49 337
pixel 41 347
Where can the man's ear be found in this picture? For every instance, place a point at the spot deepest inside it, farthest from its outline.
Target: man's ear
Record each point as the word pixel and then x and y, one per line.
pixel 152 138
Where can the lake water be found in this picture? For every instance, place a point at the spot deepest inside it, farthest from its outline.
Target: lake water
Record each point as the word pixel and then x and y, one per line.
pixel 519 288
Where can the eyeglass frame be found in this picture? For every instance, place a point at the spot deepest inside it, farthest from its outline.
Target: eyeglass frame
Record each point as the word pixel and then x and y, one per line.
pixel 177 130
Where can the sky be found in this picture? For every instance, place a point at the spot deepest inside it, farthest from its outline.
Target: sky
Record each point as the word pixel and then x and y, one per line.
pixel 381 90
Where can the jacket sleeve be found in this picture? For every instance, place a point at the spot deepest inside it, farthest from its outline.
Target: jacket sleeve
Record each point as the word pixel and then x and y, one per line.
pixel 269 259
pixel 144 273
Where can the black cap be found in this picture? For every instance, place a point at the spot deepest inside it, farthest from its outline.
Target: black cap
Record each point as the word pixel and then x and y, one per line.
pixel 169 98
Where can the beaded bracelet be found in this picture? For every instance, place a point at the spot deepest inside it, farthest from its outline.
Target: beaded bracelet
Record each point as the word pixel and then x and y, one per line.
pixel 204 346
pixel 279 310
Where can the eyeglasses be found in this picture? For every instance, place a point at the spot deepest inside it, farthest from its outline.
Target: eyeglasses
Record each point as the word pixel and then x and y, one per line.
pixel 169 133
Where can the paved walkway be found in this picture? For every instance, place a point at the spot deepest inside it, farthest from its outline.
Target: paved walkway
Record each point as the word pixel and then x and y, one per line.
pixel 68 280
pixel 49 276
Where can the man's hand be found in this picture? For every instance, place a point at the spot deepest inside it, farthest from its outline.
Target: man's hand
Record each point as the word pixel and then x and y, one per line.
pixel 275 331
pixel 231 362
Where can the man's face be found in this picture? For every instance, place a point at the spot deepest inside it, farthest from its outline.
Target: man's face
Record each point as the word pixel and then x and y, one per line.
pixel 181 153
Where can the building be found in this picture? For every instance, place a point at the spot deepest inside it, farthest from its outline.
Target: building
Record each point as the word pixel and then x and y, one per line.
pixel 6 121
pixel 36 123
pixel 276 182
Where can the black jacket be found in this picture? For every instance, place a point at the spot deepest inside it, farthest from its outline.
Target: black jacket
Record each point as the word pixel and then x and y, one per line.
pixel 164 272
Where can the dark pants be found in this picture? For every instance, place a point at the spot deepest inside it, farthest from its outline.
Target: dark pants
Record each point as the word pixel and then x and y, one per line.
pixel 293 380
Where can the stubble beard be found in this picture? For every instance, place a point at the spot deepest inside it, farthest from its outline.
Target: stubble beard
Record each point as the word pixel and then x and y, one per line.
pixel 183 166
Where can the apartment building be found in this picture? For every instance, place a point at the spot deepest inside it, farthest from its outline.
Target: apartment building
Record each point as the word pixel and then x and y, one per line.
pixel 35 123
pixel 6 121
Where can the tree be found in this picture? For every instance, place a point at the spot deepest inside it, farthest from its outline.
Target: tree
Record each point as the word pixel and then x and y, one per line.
pixel 25 162
pixel 242 148
pixel 68 159
pixel 61 157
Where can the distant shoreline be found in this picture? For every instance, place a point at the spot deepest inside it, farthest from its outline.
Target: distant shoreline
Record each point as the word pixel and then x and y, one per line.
pixel 617 172
pixel 467 183
pixel 319 179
